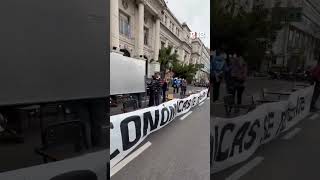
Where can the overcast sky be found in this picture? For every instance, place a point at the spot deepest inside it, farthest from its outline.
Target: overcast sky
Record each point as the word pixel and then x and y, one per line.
pixel 196 13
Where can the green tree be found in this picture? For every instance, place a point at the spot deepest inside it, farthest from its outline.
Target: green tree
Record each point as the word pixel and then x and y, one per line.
pixel 186 71
pixel 166 59
pixel 241 33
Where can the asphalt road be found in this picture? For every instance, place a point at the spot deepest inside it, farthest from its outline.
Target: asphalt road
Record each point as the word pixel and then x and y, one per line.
pixel 253 87
pixel 178 151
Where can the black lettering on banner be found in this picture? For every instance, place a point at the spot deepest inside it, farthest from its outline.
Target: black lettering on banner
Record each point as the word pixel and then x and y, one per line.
pixel 238 140
pixel 180 109
pixel 126 144
pixel 221 156
pixel 194 101
pixel 282 124
pixel 164 121
pixel 303 103
pixel 267 125
pixel 172 113
pixel 185 105
pixel 253 134
pixel 114 154
pixel 147 119
pixel 175 108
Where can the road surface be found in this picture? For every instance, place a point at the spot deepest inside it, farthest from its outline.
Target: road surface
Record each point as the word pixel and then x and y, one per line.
pixel 253 87
pixel 180 150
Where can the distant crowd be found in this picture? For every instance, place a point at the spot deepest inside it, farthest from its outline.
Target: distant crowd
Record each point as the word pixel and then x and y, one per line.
pixel 232 69
pixel 158 87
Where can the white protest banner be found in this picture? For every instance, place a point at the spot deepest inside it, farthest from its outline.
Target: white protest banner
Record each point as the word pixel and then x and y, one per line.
pixel 130 129
pixel 235 140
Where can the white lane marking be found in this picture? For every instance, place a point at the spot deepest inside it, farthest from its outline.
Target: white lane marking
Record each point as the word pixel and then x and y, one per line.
pixel 201 104
pixel 126 160
pixel 291 134
pixel 186 115
pixel 245 169
pixel 314 116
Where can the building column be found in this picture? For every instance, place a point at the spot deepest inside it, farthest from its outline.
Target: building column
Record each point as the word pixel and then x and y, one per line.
pixel 166 44
pixel 114 24
pixel 182 57
pixel 157 39
pixel 140 28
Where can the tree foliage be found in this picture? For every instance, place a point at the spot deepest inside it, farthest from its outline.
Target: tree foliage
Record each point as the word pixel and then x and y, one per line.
pixel 186 71
pixel 241 33
pixel 166 59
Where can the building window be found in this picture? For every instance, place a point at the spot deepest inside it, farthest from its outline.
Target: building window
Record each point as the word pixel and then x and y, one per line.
pixel 146 36
pixel 124 23
pixel 165 19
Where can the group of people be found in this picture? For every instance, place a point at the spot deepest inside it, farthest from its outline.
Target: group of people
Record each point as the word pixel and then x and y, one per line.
pixel 179 83
pixel 232 69
pixel 157 87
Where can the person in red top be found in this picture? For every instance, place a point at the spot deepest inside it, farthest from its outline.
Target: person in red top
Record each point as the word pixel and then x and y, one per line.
pixel 315 74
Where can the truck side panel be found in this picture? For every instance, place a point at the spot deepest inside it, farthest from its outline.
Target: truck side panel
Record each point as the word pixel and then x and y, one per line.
pixel 53 50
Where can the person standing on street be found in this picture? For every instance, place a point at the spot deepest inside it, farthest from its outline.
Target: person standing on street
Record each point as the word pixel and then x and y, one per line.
pixel 157 87
pixel 164 90
pixel 174 85
pixel 218 66
pixel 315 74
pixel 227 75
pixel 151 92
pixel 178 85
pixel 238 75
pixel 185 87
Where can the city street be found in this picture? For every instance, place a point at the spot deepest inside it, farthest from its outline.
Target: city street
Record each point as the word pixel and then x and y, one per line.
pixel 293 155
pixel 178 151
pixel 254 88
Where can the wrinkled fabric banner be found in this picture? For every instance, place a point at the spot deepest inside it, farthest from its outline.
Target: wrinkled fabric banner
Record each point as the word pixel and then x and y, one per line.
pixel 130 129
pixel 235 140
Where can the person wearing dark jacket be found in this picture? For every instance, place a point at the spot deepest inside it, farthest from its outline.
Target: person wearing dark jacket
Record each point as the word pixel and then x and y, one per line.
pixel 151 92
pixel 157 90
pixel 217 72
pixel 239 76
pixel 164 90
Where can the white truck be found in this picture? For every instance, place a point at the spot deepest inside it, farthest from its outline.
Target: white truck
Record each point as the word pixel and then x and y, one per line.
pixel 128 83
pixel 54 75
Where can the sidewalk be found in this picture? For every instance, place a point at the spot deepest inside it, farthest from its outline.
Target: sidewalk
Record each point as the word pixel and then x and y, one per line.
pixel 145 99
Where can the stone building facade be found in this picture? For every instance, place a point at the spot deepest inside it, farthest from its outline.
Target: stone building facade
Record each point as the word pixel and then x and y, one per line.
pixel 139 28
pixel 297 43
